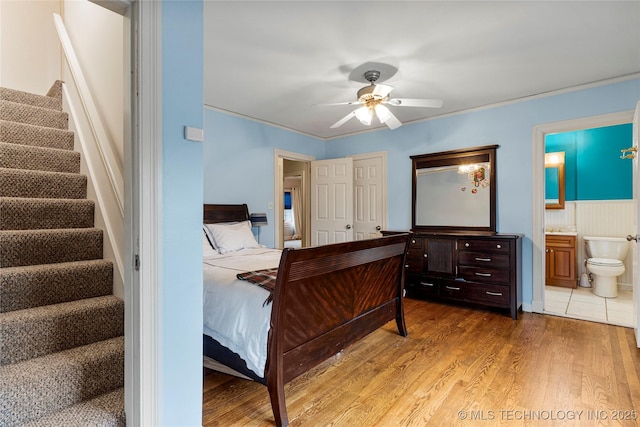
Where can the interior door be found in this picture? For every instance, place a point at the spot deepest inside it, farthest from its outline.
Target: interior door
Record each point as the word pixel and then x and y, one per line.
pixel 331 201
pixel 636 250
pixel 369 196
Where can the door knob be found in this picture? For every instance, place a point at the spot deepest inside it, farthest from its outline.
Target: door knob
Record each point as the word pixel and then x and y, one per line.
pixel 630 238
pixel 348 226
pixel 378 228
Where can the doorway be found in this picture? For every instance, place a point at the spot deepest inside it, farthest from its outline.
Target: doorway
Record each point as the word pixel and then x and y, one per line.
pixel 554 300
pixel 287 165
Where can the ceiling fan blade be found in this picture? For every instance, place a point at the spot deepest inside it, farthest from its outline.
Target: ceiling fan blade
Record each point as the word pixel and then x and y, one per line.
pixel 338 103
pixel 404 102
pixel 343 120
pixel 381 90
pixel 388 118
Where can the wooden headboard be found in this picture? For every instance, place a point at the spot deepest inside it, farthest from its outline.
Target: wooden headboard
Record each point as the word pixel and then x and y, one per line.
pixel 213 214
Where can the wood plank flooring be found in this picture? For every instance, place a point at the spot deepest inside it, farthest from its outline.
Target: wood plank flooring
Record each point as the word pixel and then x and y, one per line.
pixel 459 366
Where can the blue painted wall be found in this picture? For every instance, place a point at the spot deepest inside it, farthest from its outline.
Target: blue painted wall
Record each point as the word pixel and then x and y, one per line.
pixel 182 186
pixel 593 167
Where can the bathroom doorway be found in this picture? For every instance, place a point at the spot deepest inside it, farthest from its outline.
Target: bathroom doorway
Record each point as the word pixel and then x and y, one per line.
pixel 579 218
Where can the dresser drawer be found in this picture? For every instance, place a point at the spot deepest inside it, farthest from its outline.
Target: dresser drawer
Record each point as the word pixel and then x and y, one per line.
pixel 422 284
pixel 481 245
pixel 453 289
pixel 495 295
pixel 478 259
pixel 485 275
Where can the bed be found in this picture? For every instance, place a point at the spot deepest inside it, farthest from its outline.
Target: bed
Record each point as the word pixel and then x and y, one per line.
pixel 322 300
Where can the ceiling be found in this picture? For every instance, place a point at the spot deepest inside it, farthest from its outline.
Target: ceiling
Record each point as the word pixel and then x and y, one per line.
pixel 275 61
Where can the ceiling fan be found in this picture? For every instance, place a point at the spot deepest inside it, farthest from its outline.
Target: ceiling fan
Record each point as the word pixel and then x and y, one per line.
pixel 374 100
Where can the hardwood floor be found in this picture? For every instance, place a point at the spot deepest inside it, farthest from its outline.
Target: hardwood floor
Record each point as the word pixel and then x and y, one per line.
pixel 458 367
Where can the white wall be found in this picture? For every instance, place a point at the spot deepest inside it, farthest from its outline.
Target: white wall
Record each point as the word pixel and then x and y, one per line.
pixel 97 37
pixel 30 56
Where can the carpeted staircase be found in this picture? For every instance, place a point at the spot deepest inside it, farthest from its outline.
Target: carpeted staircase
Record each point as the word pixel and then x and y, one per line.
pixel 61 327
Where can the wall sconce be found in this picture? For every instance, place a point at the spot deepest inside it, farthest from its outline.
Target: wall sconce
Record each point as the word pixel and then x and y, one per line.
pixel 258 220
pixel 554 159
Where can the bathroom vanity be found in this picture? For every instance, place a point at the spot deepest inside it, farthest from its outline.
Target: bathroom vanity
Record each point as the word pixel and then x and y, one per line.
pixel 560 259
pixel 455 253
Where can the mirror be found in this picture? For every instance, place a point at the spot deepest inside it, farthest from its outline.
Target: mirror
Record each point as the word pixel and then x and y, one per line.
pixel 455 191
pixel 554 180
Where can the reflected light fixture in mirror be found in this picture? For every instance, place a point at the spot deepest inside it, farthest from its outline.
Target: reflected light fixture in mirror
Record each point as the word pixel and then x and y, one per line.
pixel 554 180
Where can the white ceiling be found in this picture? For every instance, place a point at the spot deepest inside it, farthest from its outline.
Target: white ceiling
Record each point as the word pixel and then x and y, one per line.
pixel 274 61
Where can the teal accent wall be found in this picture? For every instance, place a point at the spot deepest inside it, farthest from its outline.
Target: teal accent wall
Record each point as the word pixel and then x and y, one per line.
pixel 593 167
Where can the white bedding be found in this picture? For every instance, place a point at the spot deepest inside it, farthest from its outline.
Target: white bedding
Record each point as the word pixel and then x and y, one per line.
pixel 234 311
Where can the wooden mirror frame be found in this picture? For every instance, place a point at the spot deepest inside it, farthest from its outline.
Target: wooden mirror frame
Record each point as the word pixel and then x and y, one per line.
pixel 559 164
pixel 485 154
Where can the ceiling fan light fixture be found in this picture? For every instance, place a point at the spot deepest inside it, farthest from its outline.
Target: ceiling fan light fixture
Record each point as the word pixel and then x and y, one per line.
pixel 364 114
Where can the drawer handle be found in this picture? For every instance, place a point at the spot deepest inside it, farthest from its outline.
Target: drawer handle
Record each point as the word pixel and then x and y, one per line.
pixel 406 266
pixel 452 288
pixel 495 294
pixel 466 245
pixel 424 255
pixel 427 284
pixel 483 274
pixel 483 259
pixel 499 246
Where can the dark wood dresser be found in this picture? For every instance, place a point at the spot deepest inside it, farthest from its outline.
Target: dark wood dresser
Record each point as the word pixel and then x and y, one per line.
pixel 478 269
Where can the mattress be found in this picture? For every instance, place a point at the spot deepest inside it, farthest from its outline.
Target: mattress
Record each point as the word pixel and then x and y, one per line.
pixel 236 314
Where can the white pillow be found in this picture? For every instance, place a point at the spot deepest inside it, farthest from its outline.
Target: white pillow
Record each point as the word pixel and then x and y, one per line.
pixel 229 237
pixel 208 250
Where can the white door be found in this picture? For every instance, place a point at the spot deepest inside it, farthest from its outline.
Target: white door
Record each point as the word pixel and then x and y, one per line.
pixel 331 201
pixel 636 249
pixel 369 195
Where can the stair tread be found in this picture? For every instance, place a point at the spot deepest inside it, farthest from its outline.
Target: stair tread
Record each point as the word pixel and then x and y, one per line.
pixel 106 410
pixel 36 285
pixel 34 135
pixel 37 331
pixel 43 385
pixel 29 98
pixel 23 213
pixel 27 157
pixel 25 113
pixel 49 246
pixel 42 184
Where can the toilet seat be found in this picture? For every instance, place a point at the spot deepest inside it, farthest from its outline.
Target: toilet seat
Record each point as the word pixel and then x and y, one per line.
pixel 605 262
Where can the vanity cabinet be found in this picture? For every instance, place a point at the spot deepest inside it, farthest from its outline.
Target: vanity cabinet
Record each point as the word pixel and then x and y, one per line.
pixel 560 260
pixel 483 270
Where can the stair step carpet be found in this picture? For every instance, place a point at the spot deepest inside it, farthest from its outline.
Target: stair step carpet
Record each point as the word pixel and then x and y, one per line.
pixel 38 158
pixel 23 213
pixel 61 327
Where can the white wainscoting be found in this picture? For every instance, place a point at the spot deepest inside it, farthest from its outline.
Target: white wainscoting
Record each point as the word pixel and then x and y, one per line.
pixel 608 218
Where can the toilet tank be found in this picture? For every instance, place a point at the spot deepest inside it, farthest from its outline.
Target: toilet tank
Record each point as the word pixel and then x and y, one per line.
pixel 606 247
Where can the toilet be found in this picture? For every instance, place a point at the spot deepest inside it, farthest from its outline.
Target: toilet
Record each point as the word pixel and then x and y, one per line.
pixel 604 263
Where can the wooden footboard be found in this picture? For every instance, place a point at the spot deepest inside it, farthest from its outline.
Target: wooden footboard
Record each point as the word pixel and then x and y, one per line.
pixel 327 298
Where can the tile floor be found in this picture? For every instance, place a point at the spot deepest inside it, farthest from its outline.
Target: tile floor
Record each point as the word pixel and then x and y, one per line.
pixel 581 303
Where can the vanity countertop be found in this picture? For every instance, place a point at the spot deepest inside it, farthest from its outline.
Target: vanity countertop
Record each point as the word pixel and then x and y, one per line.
pixel 561 233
